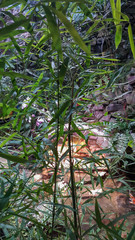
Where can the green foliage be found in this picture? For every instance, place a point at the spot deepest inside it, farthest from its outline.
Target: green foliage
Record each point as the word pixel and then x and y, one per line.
pixel 47 73
pixel 116 12
pixel 130 34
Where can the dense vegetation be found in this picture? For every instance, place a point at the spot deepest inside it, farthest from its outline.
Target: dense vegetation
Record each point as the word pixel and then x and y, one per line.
pixel 56 58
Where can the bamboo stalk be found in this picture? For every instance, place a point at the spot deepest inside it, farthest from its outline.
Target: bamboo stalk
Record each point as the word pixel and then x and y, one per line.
pixel 73 187
pixel 56 157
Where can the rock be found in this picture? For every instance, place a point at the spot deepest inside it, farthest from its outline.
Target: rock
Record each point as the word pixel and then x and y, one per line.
pixel 105 118
pixel 109 95
pixel 127 88
pixel 130 98
pixel 85 119
pixel 98 114
pixel 114 107
pixel 93 137
pixel 100 141
pixel 97 108
pixel 130 87
pixel 131 80
pixel 122 112
pixel 113 120
pixel 89 106
pixel 3 162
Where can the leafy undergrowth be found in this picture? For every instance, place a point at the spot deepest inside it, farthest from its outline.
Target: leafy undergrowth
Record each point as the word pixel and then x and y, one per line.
pixel 56 64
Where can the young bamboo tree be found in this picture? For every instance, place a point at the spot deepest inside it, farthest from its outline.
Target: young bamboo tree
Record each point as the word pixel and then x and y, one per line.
pixel 37 74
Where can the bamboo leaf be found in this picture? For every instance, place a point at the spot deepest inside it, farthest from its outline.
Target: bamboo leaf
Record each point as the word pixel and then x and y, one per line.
pixel 109 236
pixel 118 11
pixel 118 35
pixel 12 158
pixel 125 17
pixel 29 219
pixel 98 215
pixel 71 234
pixel 88 230
pixel 14 75
pixel 131 40
pixel 4 218
pixel 60 111
pixel 63 70
pixel 120 218
pixel 131 234
pixel 9 191
pixel 10 15
pixel 5 199
pixel 3 203
pixel 5 111
pixel 16 46
pixel 26 23
pixel 6 3
pixel 54 30
pixel 72 31
pixel 22 6
pixel 37 82
pixel 96 22
pixel 12 33
pixel 8 29
pixel 112 2
pixel 86 10
pixel 7 140
pixel 115 78
pixel 43 39
pixel 113 232
pixel 76 1
pixel 77 130
pixel 28 47
pixel 64 155
pixel 50 144
pixel 2 63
